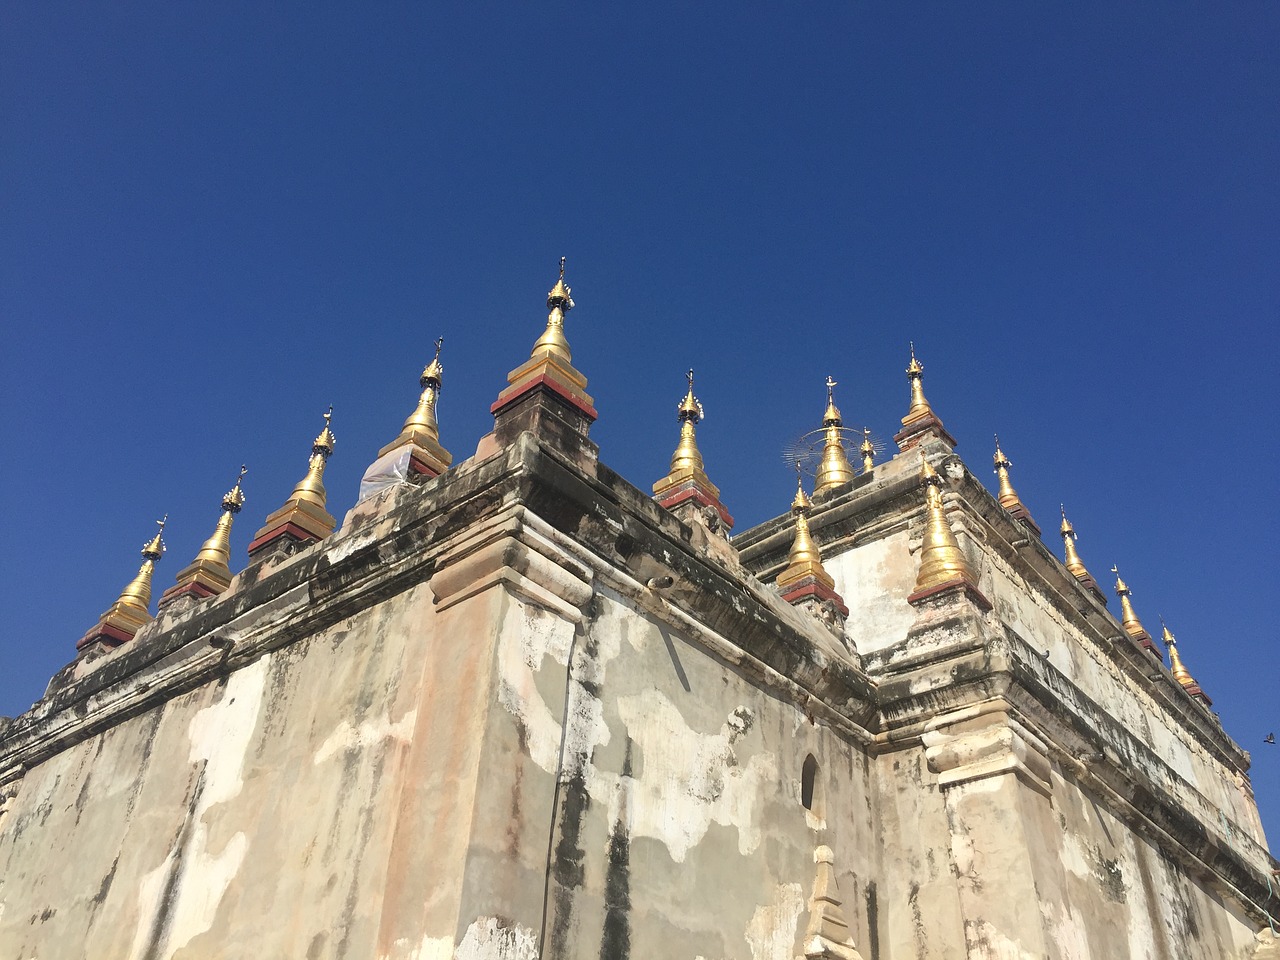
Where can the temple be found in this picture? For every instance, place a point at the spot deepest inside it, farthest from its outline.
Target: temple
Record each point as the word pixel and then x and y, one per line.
pixel 513 706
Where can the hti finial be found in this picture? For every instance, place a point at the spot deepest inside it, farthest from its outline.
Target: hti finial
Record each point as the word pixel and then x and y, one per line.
pixel 234 499
pixel 689 377
pixel 328 417
pixel 440 340
pixel 562 260
pixel 831 384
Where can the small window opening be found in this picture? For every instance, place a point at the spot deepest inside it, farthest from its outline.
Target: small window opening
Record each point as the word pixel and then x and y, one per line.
pixel 808 779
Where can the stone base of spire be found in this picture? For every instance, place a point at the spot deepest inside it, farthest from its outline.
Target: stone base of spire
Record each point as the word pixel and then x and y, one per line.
pixel 811 590
pixel 694 493
pixel 949 590
pixel 291 527
pixel 1020 513
pixel 106 635
pixel 1143 639
pixel 1194 691
pixel 199 580
pixel 555 413
pixel 918 431
pixel 427 458
pixel 1091 585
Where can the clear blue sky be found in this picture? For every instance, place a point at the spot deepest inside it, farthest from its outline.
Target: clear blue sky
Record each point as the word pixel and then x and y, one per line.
pixel 219 219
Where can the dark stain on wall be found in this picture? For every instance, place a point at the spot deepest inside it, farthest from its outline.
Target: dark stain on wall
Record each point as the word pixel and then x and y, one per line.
pixel 615 943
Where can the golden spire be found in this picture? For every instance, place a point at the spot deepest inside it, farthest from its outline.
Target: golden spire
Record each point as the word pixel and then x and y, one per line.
pixel 303 518
pixel 131 609
pixel 919 408
pixel 553 342
pixel 310 489
pixel 1008 496
pixel 804 560
pixel 941 559
pixel 867 450
pixel 1073 561
pixel 1128 619
pixel 835 468
pixel 690 414
pixel 421 431
pixel 1180 673
pixel 209 573
pixel 422 423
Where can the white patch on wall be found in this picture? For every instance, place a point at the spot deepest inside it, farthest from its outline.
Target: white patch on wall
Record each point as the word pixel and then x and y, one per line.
pixel 995 945
pixel 1067 931
pixel 771 932
pixel 220 735
pixel 691 779
pixel 431 948
pixel 489 939
pixel 528 637
pixel 346 737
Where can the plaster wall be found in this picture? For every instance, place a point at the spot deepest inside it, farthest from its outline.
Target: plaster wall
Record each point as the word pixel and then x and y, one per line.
pixel 264 814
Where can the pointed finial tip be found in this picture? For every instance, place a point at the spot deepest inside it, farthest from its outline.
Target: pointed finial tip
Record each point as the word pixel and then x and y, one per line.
pixel 562 260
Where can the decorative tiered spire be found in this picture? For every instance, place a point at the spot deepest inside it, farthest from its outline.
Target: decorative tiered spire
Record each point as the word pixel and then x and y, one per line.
pixel 1007 496
pixel 1129 620
pixel 920 423
pixel 868 451
pixel 420 435
pixel 1072 559
pixel 687 482
pixel 545 394
pixel 942 562
pixel 804 581
pixel 835 468
pixel 208 574
pixel 131 611
pixel 1180 672
pixel 303 517
pixel 827 933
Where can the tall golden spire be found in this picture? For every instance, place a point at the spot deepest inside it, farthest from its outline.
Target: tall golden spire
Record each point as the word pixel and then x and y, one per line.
pixel 804 559
pixel 805 581
pixel 209 574
pixel 1129 620
pixel 124 618
pixel 552 343
pixel 302 518
pixel 1072 559
pixel 942 561
pixel 1180 672
pixel 835 468
pixel 1007 496
pixel 920 422
pixel 687 479
pixel 421 431
pixel 867 450
pixel 550 375
pixel 919 408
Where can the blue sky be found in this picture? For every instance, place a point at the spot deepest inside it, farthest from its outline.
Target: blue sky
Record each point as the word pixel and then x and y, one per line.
pixel 219 220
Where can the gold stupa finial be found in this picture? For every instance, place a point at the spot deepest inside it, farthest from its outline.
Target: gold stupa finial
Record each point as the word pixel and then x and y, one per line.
pixel 433 373
pixel 804 559
pixel 209 574
pixel 1128 619
pixel 1176 667
pixel 919 408
pixel 217 549
pixel 1007 496
pixel 1072 559
pixel 835 468
pixel 689 412
pixel 867 450
pixel 422 424
pixel 941 559
pixel 552 342
pixel 303 517
pixel 131 610
pixel 311 487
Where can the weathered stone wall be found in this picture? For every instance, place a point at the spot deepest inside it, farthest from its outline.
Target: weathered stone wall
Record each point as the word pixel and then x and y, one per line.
pixel 521 712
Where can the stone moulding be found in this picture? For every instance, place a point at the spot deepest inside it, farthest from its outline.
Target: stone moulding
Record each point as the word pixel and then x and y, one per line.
pixel 983 741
